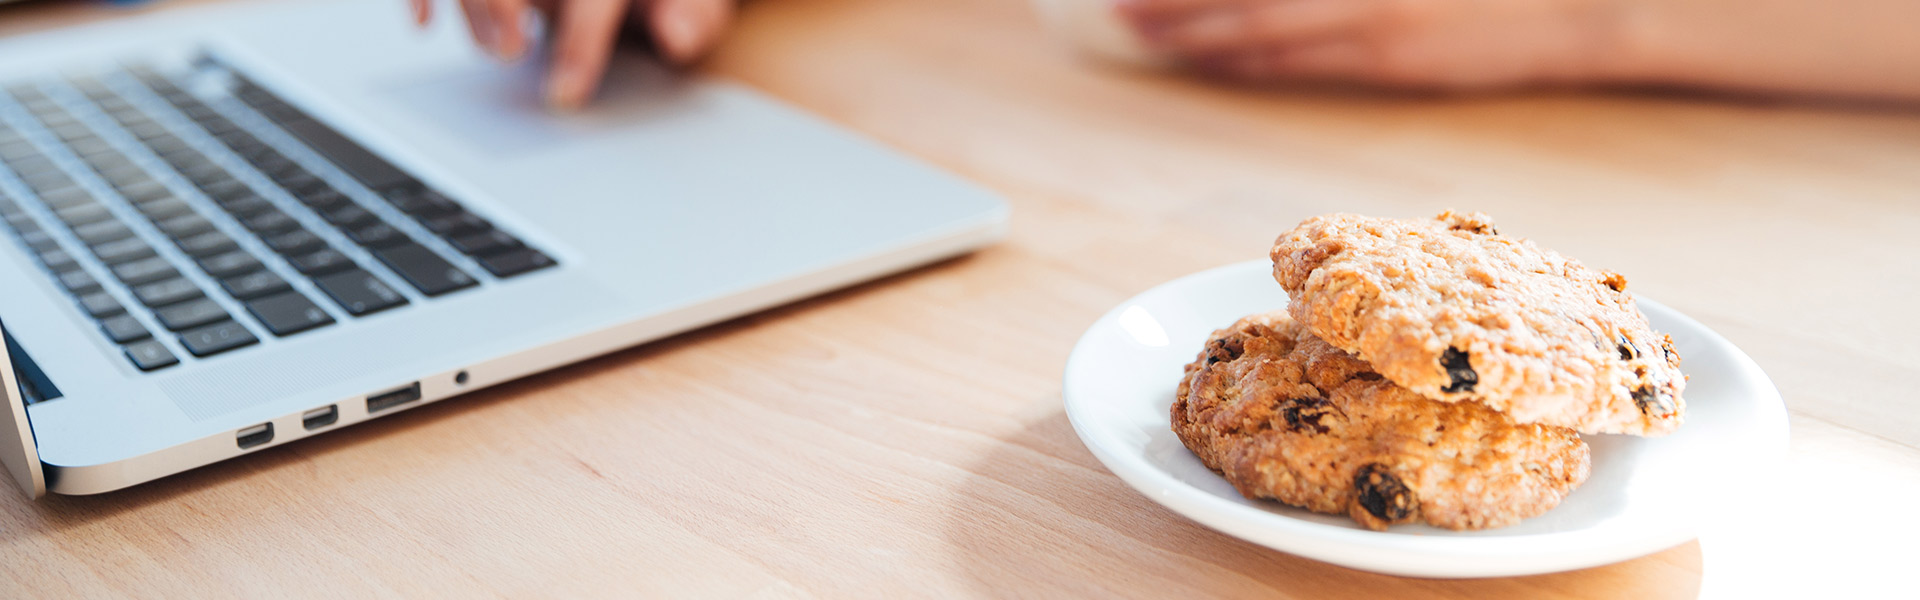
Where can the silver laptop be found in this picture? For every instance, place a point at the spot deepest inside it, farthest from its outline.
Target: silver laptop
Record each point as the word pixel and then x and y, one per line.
pixel 233 228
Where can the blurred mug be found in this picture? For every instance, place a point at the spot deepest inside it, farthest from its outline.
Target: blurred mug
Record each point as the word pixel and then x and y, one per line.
pixel 1094 27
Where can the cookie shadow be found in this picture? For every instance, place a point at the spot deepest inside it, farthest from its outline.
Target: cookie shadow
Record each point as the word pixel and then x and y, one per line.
pixel 1039 516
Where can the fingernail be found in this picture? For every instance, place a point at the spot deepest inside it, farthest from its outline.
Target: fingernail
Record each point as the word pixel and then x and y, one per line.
pixel 483 37
pixel 564 89
pixel 675 30
pixel 510 53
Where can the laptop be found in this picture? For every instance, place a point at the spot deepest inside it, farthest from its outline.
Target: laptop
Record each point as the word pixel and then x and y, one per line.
pixel 226 229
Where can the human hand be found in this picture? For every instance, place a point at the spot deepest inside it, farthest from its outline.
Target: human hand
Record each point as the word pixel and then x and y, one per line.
pixel 1432 44
pixel 584 32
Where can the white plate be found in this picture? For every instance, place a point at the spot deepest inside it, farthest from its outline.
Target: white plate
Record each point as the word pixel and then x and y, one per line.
pixel 1645 495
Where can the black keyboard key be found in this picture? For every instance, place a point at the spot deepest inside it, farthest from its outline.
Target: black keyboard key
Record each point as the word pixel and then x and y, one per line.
pixel 57 260
pixel 322 262
pixel 33 165
pixel 216 338
pixel 378 235
pixel 183 158
pixel 240 140
pixel 166 209
pixel 348 216
pixel 114 168
pixel 270 161
pixel 222 187
pixel 327 199
pixel 144 194
pixel 72 131
pixel 144 271
pixel 297 241
pixel 108 164
pixel 48 182
pixel 285 170
pixel 228 264
pixel 202 172
pixel 165 292
pixel 370 169
pixel 122 251
pixel 150 355
pixel 515 262
pixel 20 220
pixel 246 206
pixel 207 244
pixel 220 126
pixel 489 242
pixel 23 224
pixel 461 223
pixel 39 241
pixel 146 131
pixel 359 292
pixel 300 182
pixel 17 149
pixel 78 282
pixel 91 87
pixel 124 328
pixel 190 314
pixel 84 213
pixel 289 313
pixel 427 272
pixel 185 226
pixel 268 222
pixel 166 144
pixel 198 111
pixel 125 176
pixel 422 203
pixel 99 305
pixel 67 198
pixel 254 285
pixel 110 230
pixel 89 147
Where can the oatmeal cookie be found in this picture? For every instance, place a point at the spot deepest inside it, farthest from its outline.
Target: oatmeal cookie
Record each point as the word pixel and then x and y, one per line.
pixel 1452 310
pixel 1283 415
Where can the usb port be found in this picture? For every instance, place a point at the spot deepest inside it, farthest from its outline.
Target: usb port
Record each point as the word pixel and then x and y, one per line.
pixel 320 417
pixel 255 435
pixel 385 400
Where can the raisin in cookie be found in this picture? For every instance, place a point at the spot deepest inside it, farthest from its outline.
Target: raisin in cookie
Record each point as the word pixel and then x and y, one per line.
pixel 1283 415
pixel 1452 310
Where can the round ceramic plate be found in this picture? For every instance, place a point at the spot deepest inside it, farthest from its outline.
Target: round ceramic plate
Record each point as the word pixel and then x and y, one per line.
pixel 1645 494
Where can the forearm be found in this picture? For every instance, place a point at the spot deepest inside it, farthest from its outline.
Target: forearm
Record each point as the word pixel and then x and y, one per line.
pixel 1853 48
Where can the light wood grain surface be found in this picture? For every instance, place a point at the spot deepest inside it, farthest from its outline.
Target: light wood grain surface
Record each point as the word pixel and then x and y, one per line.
pixel 905 437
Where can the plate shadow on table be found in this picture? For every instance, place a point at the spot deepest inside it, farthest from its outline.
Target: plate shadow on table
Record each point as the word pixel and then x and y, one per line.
pixel 1039 515
pixel 20 518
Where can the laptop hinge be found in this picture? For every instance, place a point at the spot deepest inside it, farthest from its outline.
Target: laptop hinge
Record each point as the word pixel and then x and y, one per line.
pixel 35 386
pixel 17 450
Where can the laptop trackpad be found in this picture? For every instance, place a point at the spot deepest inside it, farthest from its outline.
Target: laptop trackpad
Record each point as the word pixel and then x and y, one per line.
pixel 499 111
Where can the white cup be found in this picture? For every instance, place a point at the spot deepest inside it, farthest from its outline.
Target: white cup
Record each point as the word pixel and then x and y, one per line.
pixel 1094 28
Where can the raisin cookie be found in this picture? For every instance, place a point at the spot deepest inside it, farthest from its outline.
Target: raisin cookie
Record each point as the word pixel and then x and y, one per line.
pixel 1283 415
pixel 1454 311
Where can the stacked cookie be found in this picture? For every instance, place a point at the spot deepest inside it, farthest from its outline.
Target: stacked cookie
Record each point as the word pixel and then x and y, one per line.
pixel 1425 371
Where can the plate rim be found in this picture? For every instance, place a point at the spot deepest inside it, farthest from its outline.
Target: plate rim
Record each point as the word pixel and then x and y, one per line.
pixel 1404 554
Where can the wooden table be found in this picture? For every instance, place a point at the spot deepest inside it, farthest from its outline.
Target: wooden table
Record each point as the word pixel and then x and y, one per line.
pixel 905 437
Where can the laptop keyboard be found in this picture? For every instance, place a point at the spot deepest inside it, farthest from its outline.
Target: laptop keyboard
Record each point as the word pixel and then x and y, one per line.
pixel 229 261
